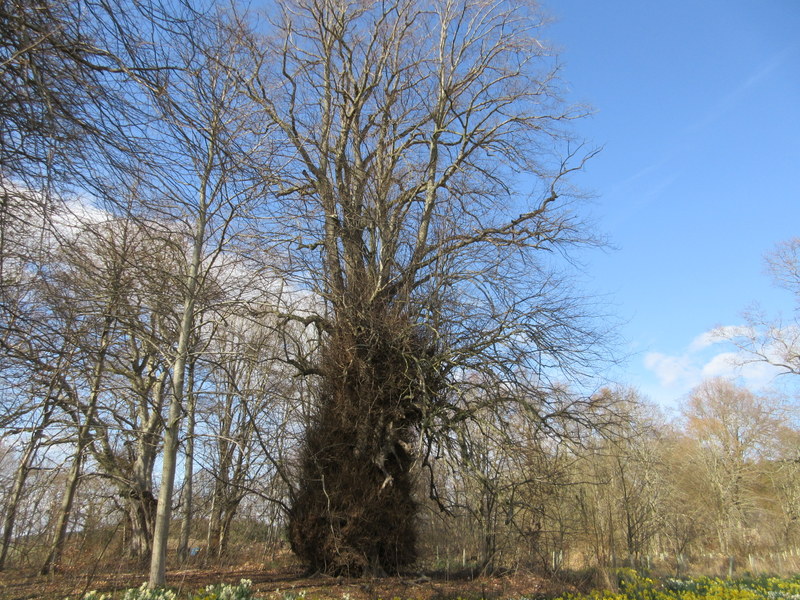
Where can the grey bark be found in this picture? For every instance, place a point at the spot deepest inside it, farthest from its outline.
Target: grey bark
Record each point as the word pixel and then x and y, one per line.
pixel 188 474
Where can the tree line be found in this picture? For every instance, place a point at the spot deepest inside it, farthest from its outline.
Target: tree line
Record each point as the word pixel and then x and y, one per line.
pixel 716 486
pixel 307 269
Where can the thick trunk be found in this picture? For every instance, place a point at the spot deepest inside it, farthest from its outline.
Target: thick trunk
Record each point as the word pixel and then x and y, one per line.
pixel 141 519
pixel 354 513
pixel 139 493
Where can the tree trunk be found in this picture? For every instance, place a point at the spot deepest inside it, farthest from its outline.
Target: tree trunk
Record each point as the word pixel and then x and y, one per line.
pixel 354 512
pixel 158 561
pixel 186 505
pixel 225 530
pixel 214 528
pixel 20 476
pixel 60 533
pixel 141 518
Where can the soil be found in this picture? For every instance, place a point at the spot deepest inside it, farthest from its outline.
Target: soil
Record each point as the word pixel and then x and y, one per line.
pixel 280 582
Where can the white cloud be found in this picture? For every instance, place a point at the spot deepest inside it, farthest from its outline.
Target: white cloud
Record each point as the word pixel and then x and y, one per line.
pixel 724 364
pixel 760 374
pixel 708 355
pixel 669 369
pixel 718 335
pixel 704 340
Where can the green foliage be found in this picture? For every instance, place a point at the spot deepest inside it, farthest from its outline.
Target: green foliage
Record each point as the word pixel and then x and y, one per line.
pixel 143 593
pixel 140 593
pixel 633 586
pixel 221 591
pixel 224 591
pixel 94 595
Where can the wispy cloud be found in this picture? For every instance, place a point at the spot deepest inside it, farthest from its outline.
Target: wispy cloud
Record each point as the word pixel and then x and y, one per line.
pixel 726 102
pixel 708 355
pixel 670 370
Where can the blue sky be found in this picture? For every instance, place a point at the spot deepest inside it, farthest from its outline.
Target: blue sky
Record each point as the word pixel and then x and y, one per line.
pixel 697 106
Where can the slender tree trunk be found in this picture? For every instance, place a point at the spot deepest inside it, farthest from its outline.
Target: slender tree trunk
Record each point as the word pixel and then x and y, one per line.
pixel 186 506
pixel 158 561
pixel 223 479
pixel 60 534
pixel 219 502
pixel 20 476
pixel 219 528
pixel 211 528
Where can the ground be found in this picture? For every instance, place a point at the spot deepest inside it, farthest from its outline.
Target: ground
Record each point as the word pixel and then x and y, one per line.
pixel 279 583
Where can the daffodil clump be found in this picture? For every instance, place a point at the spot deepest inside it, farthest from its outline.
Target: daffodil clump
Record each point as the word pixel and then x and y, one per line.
pixel 221 591
pixel 636 587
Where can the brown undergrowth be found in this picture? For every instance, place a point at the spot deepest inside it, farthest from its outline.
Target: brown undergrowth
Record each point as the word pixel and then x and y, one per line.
pixel 279 583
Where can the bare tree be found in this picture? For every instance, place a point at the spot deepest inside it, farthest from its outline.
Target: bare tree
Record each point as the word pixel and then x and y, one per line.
pixel 735 429
pixel 622 506
pixel 104 302
pixel 83 440
pixel 187 192
pixel 62 118
pixel 50 76
pixel 784 474
pixel 205 180
pixel 420 214
pixel 21 473
pixel 422 202
pixel 773 340
pixel 38 351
